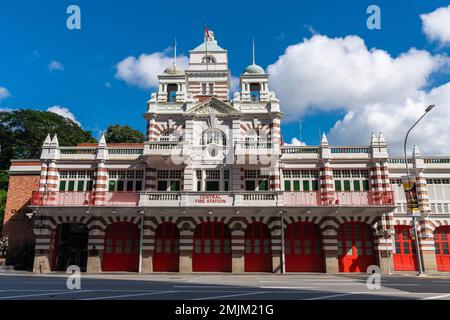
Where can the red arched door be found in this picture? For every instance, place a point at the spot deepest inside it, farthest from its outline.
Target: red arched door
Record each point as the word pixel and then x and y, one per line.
pixel 405 252
pixel 441 243
pixel 121 247
pixel 166 256
pixel 258 253
pixel 212 247
pixel 355 247
pixel 303 248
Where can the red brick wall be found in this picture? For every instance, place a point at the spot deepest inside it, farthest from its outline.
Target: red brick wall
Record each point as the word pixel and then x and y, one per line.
pixel 17 225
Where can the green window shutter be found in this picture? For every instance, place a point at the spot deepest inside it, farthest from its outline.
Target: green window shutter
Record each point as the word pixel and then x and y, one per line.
pixel 356 185
pixel 263 185
pixel 315 185
pixel 89 185
pixel 112 186
pixel 305 185
pixel 337 185
pixel 80 186
pixel 287 185
pixel 226 185
pixel 71 185
pixel 346 185
pixel 296 185
pixel 138 185
pixel 365 185
pixel 174 185
pixel 62 186
pixel 120 185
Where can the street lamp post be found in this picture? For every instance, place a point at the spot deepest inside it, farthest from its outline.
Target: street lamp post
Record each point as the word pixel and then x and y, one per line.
pixel 419 257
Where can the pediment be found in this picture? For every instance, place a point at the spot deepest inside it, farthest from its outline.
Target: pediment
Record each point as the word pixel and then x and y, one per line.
pixel 213 106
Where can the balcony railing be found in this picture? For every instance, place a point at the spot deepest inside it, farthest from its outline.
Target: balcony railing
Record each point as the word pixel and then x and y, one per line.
pixel 213 199
pixel 81 199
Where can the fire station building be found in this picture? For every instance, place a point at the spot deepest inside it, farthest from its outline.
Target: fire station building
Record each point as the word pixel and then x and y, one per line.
pixel 214 189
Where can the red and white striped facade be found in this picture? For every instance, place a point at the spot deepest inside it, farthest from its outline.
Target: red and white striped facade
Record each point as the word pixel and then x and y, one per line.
pixel 214 168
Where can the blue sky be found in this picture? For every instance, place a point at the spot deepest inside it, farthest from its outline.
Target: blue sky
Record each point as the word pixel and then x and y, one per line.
pixel 33 34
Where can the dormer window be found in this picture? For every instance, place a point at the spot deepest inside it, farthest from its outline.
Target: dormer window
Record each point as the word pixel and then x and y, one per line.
pixel 255 89
pixel 208 59
pixel 171 93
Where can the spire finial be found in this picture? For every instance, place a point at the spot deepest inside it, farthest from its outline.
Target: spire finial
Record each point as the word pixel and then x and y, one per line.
pixel 175 52
pixel 253 51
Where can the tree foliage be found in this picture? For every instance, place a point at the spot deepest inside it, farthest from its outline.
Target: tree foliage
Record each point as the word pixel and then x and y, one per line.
pixel 22 133
pixel 123 134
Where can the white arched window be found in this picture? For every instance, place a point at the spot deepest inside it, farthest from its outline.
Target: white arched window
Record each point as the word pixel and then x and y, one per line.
pixel 256 138
pixel 170 136
pixel 214 136
pixel 208 59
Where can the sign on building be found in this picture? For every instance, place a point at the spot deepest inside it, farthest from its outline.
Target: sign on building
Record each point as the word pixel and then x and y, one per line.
pixel 410 188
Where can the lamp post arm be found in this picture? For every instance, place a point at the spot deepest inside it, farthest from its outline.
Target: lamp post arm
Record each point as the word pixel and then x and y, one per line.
pixel 406 140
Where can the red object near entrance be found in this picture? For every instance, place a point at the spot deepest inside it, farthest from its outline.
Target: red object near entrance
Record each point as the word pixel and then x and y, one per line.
pixel 303 248
pixel 258 253
pixel 166 256
pixel 405 258
pixel 355 247
pixel 441 243
pixel 212 248
pixel 121 247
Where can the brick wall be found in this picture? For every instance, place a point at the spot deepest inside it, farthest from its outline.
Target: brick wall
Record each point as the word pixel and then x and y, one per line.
pixel 16 224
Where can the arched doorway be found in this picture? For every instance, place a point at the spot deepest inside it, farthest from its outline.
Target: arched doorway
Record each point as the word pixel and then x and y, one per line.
pixel 212 247
pixel 405 258
pixel 258 253
pixel 303 248
pixel 441 244
pixel 355 247
pixel 70 242
pixel 121 247
pixel 166 256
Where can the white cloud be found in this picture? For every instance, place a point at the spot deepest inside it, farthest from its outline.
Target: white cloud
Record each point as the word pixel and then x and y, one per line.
pixel 436 25
pixel 295 142
pixel 432 135
pixel 64 112
pixel 378 92
pixel 55 66
pixel 326 74
pixel 143 71
pixel 4 93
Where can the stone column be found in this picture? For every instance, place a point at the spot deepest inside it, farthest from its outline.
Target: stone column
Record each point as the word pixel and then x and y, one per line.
pixel 150 179
pixel 385 243
pixel 101 180
pixel 276 246
pixel 237 250
pixel 186 247
pixel 148 245
pixel 326 183
pixel 329 247
pixel 96 243
pixel 42 249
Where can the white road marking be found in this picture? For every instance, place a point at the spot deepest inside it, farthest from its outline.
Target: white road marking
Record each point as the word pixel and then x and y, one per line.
pixel 437 297
pixel 130 295
pixel 44 294
pixel 212 287
pixel 232 295
pixel 331 296
pixel 273 287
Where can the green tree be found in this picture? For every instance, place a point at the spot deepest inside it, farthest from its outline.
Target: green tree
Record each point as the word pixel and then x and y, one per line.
pixel 123 134
pixel 22 133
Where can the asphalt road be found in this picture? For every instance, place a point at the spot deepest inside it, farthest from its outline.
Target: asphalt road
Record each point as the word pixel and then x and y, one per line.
pixel 27 286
